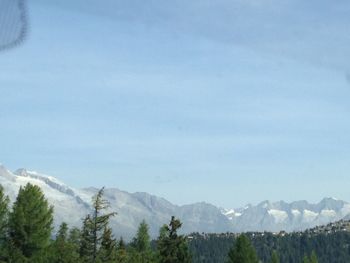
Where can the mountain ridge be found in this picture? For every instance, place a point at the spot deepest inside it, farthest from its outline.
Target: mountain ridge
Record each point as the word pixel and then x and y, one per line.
pixel 71 205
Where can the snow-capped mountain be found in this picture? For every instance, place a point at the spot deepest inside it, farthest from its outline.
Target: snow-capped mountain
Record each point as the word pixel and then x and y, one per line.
pixel 71 205
pixel 276 216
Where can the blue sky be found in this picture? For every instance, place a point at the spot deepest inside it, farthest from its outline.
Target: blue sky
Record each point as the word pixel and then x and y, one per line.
pixel 229 102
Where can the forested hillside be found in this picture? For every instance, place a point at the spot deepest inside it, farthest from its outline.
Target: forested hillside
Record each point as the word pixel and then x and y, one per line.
pixel 331 243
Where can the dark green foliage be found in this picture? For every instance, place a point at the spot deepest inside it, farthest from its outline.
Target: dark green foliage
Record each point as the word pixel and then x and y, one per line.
pixel 98 220
pixel 140 248
pixel 74 239
pixel 63 250
pixel 86 241
pixel 313 257
pixel 306 259
pixel 212 248
pixel 122 256
pixel 291 248
pixel 242 252
pixel 142 241
pixel 107 252
pixel 93 228
pixel 172 247
pixel 274 257
pixel 30 225
pixel 4 214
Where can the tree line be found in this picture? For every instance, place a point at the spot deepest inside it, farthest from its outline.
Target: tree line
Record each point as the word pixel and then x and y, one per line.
pixel 296 247
pixel 26 235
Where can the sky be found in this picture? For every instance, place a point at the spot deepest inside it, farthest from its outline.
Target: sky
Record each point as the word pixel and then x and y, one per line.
pixel 229 102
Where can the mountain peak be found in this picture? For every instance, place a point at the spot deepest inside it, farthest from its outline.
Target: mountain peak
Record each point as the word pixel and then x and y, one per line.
pixel 329 199
pixel 33 174
pixel 265 204
pixel 21 172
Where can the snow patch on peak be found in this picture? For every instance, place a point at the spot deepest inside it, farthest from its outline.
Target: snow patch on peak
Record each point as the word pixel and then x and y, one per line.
pixel 230 213
pixel 36 178
pixel 328 213
pixel 309 215
pixel 279 215
pixel 35 175
pixel 296 212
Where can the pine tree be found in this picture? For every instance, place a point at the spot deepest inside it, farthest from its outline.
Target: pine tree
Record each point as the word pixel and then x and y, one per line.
pixel 30 224
pixel 93 227
pixel 107 251
pixel 63 251
pixel 243 251
pixel 86 241
pixel 74 240
pixel 4 214
pixel 306 259
pixel 141 245
pixel 62 234
pixel 142 240
pixel 274 257
pixel 313 257
pixel 99 221
pixel 172 247
pixel 122 256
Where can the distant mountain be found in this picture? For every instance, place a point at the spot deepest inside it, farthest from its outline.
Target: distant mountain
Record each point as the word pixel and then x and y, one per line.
pixel 71 205
pixel 295 216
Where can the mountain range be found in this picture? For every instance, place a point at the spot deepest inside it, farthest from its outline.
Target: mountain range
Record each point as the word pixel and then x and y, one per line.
pixel 71 205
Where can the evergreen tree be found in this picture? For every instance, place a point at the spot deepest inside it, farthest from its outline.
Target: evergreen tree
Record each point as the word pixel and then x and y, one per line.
pixel 122 256
pixel 30 225
pixel 141 245
pixel 86 241
pixel 306 259
pixel 274 257
pixel 329 246
pixel 107 252
pixel 74 239
pixel 313 257
pixel 99 221
pixel 172 247
pixel 63 251
pixel 4 213
pixel 163 232
pixel 142 240
pixel 93 228
pixel 243 251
